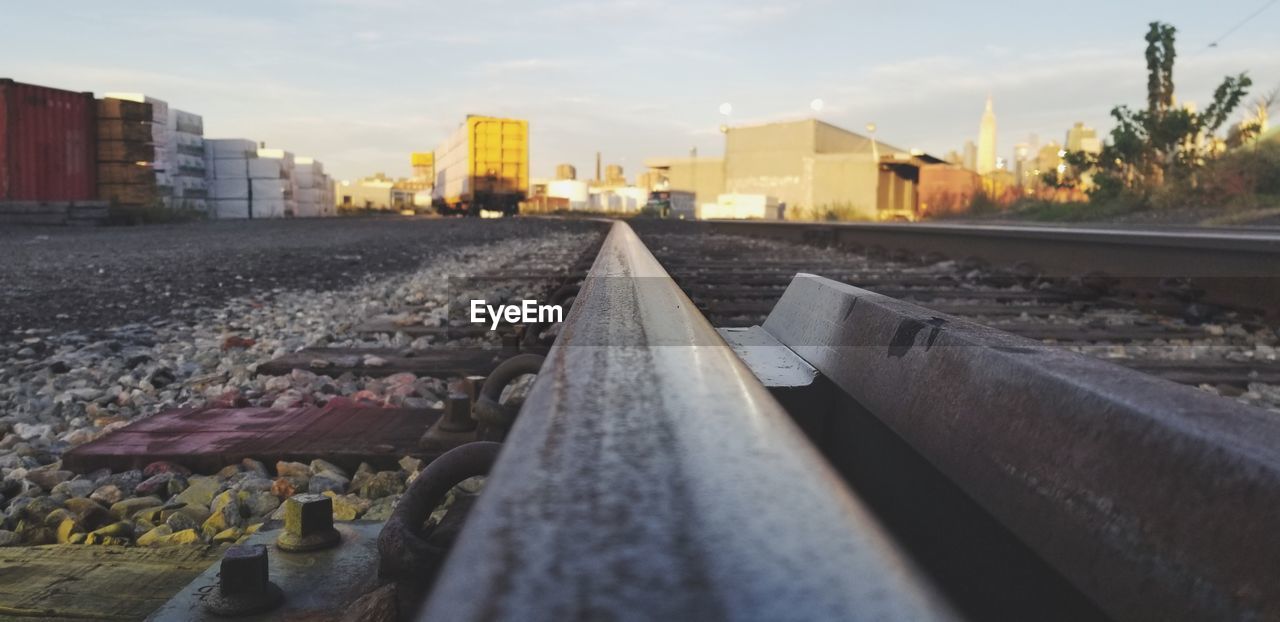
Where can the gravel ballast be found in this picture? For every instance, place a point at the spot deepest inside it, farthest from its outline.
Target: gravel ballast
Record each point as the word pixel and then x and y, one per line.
pixel 60 388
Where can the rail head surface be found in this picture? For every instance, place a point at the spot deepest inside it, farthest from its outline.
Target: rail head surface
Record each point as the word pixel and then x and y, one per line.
pixel 651 476
pixel 1155 499
pixel 1215 258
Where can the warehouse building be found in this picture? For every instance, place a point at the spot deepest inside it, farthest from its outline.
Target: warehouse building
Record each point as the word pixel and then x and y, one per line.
pixel 376 193
pixel 815 169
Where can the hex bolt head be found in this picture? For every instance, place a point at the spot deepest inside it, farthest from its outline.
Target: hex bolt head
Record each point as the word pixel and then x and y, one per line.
pixel 457 413
pixel 308 524
pixel 244 570
pixel 244 585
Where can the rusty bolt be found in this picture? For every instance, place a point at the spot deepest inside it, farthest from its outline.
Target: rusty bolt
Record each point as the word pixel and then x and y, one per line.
pixel 457 414
pixel 244 586
pixel 472 384
pixel 308 524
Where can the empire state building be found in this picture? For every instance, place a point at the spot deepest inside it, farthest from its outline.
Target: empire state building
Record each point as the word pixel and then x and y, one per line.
pixel 987 141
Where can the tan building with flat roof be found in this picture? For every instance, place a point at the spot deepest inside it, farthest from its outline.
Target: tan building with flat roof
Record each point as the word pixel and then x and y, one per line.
pixel 817 169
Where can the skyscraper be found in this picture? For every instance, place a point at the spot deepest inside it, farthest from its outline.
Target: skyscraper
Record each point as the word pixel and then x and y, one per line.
pixel 970 155
pixel 987 141
pixel 1021 158
pixel 1083 138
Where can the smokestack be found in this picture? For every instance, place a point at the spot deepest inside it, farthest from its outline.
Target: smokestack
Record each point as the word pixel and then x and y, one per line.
pixel 597 166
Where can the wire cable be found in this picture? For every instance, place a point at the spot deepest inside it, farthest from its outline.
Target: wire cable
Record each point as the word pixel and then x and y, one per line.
pixel 1215 42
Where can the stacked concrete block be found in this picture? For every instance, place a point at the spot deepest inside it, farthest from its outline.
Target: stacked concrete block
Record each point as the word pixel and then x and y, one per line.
pixel 187 160
pixel 227 176
pixel 271 184
pixel 313 189
pixel 248 181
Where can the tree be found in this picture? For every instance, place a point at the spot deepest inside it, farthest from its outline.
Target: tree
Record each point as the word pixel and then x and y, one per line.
pixel 1253 125
pixel 1165 141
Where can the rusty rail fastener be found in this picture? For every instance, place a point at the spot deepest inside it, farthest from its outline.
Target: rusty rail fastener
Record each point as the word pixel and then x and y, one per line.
pixel 402 550
pixel 308 524
pixel 244 585
pixel 471 386
pixel 457 414
pixel 496 418
pixel 455 427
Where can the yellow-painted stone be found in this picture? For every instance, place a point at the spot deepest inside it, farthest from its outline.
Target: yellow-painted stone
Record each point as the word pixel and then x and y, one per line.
pixel 67 528
pixel 155 515
pixel 252 529
pixel 77 538
pixel 114 530
pixel 155 536
pixel 186 536
pixel 223 498
pixel 55 518
pixel 128 507
pixel 347 507
pixel 225 518
pixel 228 535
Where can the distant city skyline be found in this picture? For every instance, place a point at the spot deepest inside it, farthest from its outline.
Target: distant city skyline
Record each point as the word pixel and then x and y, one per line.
pixel 360 85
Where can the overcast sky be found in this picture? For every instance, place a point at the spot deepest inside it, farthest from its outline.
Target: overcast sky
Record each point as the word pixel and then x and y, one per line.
pixel 360 84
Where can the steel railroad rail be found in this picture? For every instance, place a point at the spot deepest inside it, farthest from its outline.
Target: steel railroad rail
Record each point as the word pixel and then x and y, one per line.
pixel 1240 269
pixel 649 474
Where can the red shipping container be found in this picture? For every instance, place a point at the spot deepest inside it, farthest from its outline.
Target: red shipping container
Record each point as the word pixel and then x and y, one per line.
pixel 46 144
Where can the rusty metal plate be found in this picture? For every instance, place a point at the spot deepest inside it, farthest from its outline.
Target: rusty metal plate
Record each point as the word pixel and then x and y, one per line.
pixel 61 582
pixel 207 439
pixel 319 585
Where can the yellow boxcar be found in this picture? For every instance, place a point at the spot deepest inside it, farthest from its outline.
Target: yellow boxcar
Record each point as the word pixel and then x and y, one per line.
pixel 484 165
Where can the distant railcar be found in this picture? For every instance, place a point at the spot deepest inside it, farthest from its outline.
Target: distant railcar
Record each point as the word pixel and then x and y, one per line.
pixel 483 166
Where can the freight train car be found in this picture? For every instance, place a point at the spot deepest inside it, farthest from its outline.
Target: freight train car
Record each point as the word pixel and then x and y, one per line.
pixel 484 165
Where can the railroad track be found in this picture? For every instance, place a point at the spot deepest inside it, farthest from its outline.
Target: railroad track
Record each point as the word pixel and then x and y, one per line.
pixel 736 281
pixel 714 436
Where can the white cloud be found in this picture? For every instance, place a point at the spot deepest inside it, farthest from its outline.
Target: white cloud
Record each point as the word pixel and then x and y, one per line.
pixel 759 13
pixel 526 65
